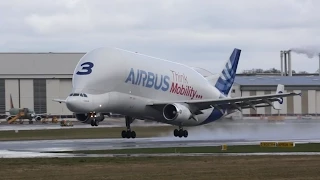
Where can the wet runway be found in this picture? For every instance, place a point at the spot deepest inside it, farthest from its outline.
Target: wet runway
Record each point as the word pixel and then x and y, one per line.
pixel 10 154
pixel 100 144
pixel 45 148
pixel 39 126
pixel 228 132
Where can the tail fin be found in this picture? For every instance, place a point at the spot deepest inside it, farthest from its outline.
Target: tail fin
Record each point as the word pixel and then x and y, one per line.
pixel 277 104
pixel 11 102
pixel 228 74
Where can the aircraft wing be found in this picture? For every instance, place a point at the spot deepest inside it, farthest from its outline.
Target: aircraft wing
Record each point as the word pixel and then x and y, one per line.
pixel 59 100
pixel 43 114
pixel 232 103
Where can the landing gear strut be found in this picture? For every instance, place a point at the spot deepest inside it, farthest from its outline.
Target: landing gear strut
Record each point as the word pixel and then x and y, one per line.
pixel 94 121
pixel 179 133
pixel 128 134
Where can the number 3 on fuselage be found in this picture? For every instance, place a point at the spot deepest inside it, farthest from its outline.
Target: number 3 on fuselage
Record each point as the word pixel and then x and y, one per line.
pixel 86 68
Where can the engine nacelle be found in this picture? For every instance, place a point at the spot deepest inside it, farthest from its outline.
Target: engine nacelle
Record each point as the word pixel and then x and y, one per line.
pixel 86 118
pixel 83 117
pixel 176 112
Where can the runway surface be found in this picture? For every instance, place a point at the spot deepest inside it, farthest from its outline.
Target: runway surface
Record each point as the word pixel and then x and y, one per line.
pixel 121 123
pixel 230 133
pixel 45 147
pixel 57 126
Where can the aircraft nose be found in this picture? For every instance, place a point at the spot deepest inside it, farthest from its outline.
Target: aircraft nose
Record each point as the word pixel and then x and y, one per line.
pixel 72 104
pixel 78 104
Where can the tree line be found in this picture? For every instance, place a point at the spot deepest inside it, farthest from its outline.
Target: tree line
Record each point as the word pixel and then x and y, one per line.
pixel 271 71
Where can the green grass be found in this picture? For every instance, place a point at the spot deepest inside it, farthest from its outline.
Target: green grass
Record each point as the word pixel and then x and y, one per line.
pixel 310 147
pixel 163 168
pixel 82 133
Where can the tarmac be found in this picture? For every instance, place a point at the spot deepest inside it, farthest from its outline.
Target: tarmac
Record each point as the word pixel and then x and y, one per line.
pixel 225 132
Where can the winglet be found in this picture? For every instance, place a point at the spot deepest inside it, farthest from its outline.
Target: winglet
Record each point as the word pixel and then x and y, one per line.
pixel 278 104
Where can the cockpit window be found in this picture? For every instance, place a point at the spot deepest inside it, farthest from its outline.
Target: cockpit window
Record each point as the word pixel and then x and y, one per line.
pixel 78 94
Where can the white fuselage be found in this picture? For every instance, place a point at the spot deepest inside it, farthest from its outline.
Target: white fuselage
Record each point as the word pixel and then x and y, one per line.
pixel 124 82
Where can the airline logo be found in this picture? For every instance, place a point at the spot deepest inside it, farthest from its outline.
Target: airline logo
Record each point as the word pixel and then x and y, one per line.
pixel 179 84
pixel 148 79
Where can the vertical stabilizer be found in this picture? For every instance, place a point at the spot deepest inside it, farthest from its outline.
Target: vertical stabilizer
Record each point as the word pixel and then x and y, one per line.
pixel 228 74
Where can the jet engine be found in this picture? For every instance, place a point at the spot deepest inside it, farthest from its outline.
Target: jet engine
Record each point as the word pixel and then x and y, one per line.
pixel 176 112
pixel 86 118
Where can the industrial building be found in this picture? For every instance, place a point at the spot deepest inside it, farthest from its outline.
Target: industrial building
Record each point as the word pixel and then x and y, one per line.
pixel 34 79
pixel 308 86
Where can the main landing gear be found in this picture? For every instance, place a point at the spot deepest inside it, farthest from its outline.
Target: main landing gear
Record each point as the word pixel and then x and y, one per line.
pixel 128 134
pixel 179 133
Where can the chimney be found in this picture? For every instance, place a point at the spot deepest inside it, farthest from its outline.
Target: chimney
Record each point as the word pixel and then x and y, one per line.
pixel 289 63
pixel 281 61
pixel 285 63
pixel 319 64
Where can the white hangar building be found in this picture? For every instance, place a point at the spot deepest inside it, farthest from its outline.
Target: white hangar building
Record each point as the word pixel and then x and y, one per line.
pixel 308 86
pixel 34 79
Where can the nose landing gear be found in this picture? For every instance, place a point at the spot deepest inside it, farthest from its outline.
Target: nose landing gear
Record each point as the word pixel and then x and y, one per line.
pixel 94 120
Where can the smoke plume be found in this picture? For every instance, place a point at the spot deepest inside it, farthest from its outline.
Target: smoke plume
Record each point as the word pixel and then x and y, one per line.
pixel 309 51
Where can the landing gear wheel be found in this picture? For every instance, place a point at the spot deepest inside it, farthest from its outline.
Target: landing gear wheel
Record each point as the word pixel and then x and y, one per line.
pixel 96 122
pixel 129 134
pixel 176 132
pixel 133 134
pixel 180 133
pixel 124 134
pixel 92 122
pixel 185 133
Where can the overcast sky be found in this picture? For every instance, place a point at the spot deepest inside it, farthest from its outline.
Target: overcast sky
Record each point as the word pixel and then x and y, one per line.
pixel 199 33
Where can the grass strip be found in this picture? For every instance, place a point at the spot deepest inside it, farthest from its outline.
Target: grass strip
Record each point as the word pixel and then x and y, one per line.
pixel 82 133
pixel 309 147
pixel 160 168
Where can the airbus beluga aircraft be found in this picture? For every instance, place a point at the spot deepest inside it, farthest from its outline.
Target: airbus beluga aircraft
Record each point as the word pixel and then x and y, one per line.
pixel 112 80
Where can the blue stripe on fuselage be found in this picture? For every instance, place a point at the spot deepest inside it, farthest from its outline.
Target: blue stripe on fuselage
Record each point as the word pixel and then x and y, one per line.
pixel 215 115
